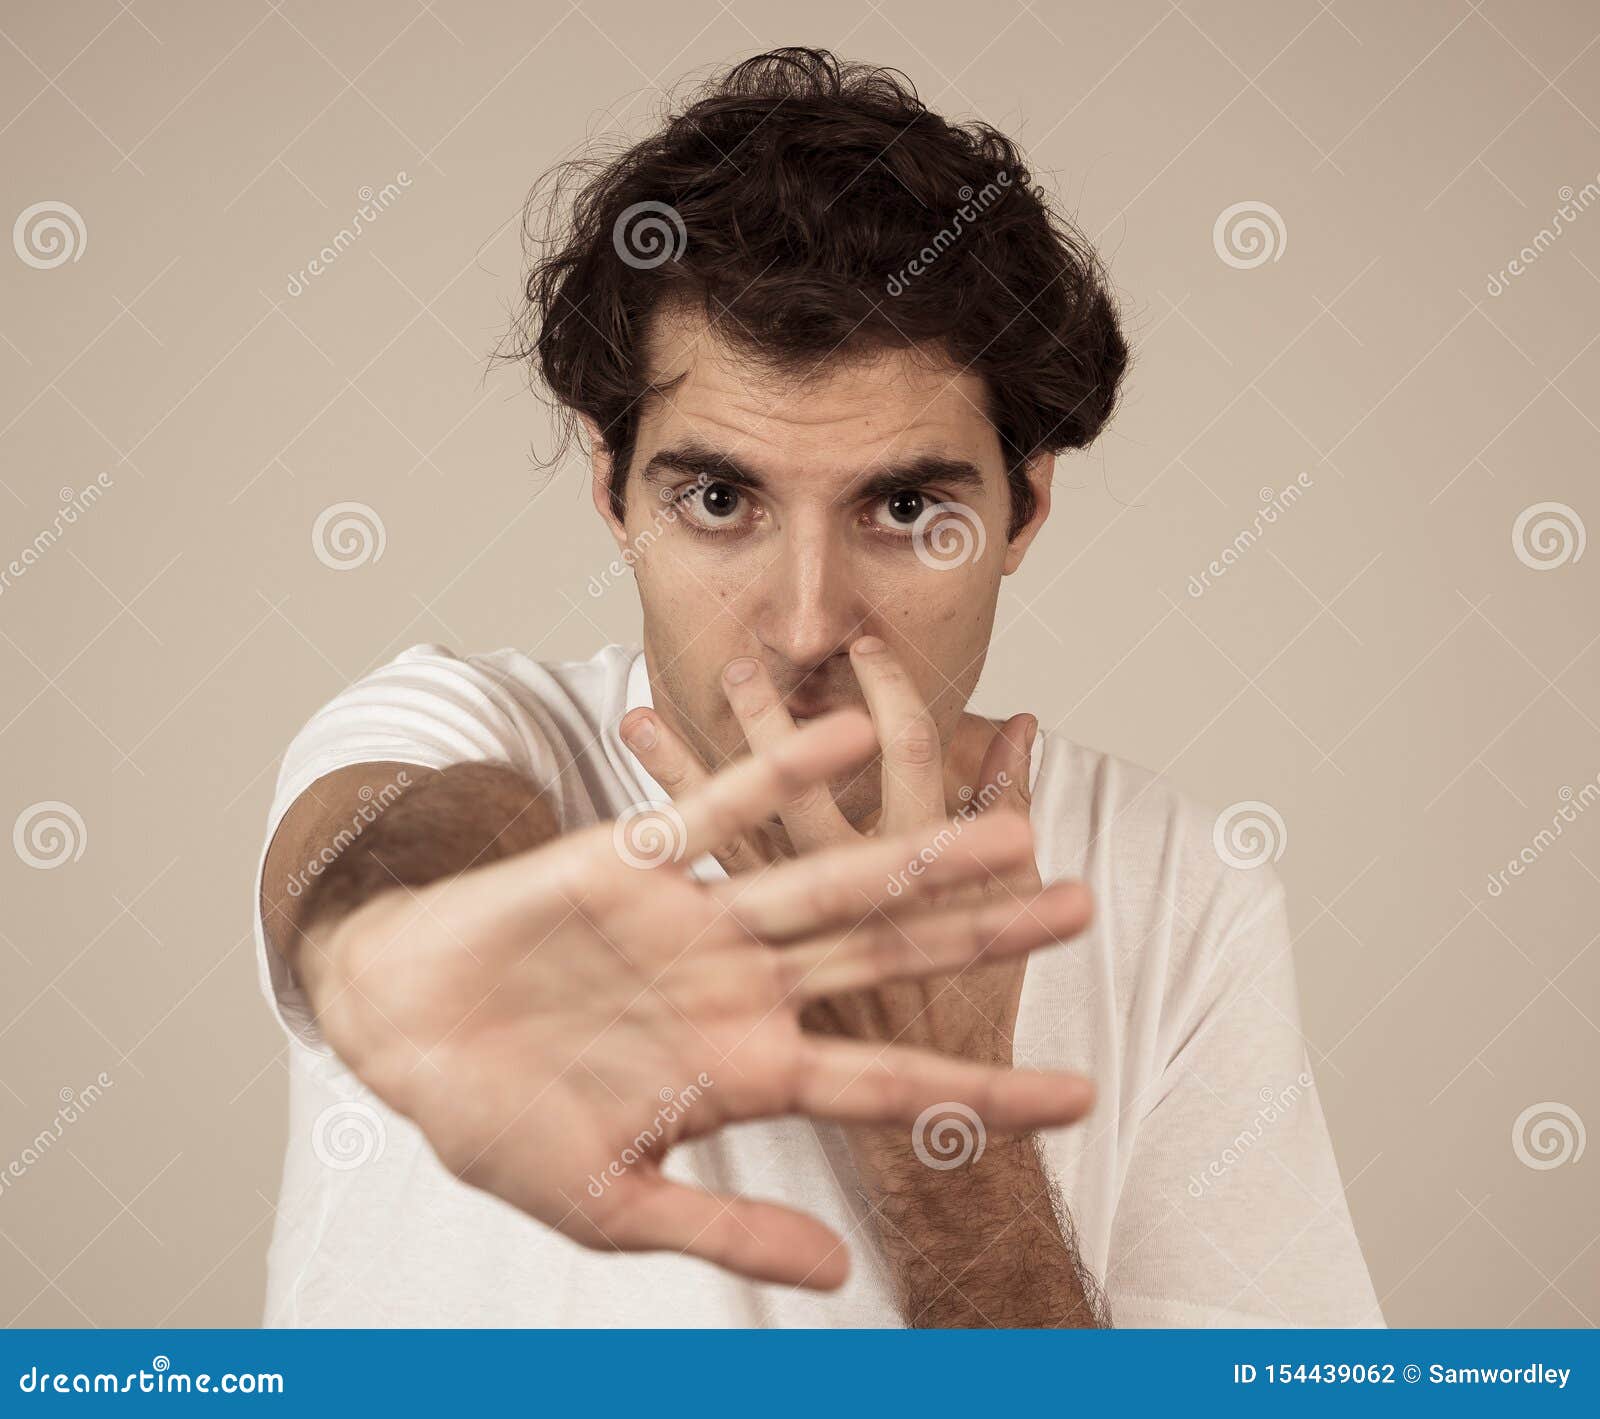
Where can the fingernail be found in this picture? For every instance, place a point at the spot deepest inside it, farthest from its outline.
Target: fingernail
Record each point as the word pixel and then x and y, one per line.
pixel 867 645
pixel 1033 733
pixel 642 735
pixel 739 671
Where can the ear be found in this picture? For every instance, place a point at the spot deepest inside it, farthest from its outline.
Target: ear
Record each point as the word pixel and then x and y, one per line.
pixel 1039 470
pixel 600 480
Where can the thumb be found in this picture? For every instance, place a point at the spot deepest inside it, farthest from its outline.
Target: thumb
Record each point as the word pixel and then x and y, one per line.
pixel 761 1240
pixel 1005 771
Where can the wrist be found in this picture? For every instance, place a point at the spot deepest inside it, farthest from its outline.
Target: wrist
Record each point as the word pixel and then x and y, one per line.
pixel 984 1243
pixel 949 1155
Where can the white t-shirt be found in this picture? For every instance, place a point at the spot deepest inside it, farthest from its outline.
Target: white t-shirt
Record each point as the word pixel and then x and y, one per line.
pixel 1203 1187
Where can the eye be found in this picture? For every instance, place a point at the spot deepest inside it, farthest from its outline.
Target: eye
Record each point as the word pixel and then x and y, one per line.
pixel 904 507
pixel 710 505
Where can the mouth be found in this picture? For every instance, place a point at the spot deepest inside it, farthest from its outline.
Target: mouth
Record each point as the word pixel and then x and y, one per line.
pixel 809 703
pixel 804 714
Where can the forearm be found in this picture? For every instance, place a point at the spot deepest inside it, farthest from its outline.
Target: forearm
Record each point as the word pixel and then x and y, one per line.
pixel 446 822
pixel 986 1244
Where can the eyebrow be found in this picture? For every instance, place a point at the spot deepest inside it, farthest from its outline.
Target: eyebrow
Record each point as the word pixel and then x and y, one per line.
pixel 700 460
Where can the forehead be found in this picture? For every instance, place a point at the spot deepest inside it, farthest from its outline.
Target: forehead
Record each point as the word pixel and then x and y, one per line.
pixel 834 415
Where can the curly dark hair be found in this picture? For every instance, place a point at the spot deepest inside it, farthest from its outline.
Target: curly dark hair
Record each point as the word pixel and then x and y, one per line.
pixel 812 206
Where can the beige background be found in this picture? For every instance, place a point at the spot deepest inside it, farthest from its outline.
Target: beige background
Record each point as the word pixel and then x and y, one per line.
pixel 1410 695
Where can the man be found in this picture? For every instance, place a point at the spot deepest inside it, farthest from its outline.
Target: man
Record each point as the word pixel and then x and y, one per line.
pixel 543 932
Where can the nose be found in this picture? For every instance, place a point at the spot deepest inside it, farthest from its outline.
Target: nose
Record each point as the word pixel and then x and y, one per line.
pixel 811 604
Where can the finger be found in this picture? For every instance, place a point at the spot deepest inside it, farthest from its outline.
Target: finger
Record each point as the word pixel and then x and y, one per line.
pixel 858 1081
pixel 937 941
pixel 1004 774
pixel 749 792
pixel 813 818
pixel 760 1240
pixel 677 768
pixel 837 886
pixel 913 755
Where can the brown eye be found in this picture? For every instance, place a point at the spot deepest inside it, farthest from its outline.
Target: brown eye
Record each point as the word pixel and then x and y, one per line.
pixel 903 508
pixel 906 506
pixel 709 504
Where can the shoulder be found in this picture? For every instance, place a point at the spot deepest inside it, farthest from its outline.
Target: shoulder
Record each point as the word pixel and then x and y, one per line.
pixel 510 666
pixel 435 706
pixel 1166 866
pixel 494 684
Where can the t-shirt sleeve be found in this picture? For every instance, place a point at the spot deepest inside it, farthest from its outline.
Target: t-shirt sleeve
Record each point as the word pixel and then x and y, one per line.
pixel 1232 1211
pixel 427 707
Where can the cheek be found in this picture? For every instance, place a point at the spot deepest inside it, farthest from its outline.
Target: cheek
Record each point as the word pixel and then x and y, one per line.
pixel 948 618
pixel 932 607
pixel 676 566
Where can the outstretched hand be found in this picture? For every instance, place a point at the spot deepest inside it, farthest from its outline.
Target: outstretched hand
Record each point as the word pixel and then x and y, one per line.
pixel 536 1015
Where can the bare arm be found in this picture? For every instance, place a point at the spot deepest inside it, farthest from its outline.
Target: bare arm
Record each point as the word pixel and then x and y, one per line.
pixel 524 995
pixel 371 828
pixel 986 1243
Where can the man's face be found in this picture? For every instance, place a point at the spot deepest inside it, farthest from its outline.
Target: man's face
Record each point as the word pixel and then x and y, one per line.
pixel 782 518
